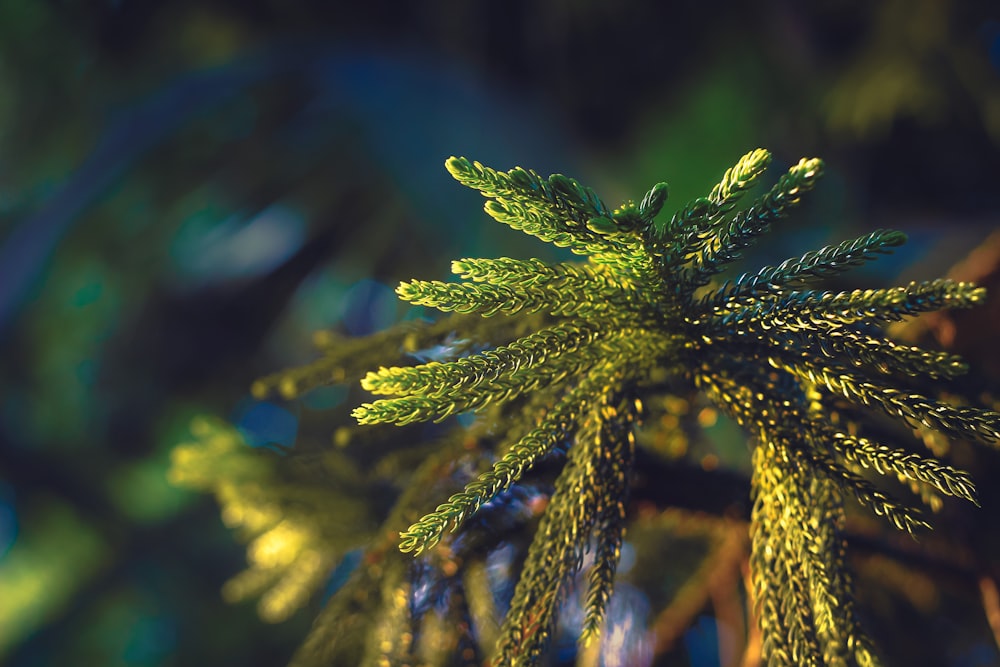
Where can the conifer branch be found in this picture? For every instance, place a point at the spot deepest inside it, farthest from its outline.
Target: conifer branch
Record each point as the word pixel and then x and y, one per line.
pixel 901 516
pixel 887 357
pixel 848 348
pixel 652 202
pixel 836 624
pixel 449 378
pixel 710 255
pixel 536 273
pixel 782 603
pixel 615 458
pixel 885 460
pixel 813 265
pixel 425 533
pixel 738 179
pixel 582 342
pixel 558 210
pixel 497 376
pixel 698 215
pixel 551 561
pixel 974 423
pixel 603 444
pixel 813 310
pixel 489 299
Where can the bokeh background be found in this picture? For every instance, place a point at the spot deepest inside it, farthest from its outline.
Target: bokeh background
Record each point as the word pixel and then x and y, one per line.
pixel 189 188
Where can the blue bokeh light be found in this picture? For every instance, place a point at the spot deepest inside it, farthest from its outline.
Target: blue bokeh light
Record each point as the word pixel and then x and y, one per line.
pixel 8 519
pixel 208 251
pixel 151 640
pixel 369 306
pixel 702 643
pixel 342 572
pixel 992 29
pixel 262 423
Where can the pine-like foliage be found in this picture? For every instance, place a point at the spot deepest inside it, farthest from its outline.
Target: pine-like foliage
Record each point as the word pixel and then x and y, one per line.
pixel 586 344
pixel 766 350
pixel 295 531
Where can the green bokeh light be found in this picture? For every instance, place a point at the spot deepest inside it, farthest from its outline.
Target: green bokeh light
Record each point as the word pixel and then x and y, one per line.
pixel 55 554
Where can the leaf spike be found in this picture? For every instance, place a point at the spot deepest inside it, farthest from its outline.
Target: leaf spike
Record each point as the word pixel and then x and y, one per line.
pixel 653 201
pixel 739 178
pixel 813 265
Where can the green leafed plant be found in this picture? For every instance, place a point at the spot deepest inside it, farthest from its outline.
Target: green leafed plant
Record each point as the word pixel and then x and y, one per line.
pixel 583 346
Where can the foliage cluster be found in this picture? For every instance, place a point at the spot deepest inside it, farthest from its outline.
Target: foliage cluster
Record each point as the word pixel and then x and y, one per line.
pixel 562 384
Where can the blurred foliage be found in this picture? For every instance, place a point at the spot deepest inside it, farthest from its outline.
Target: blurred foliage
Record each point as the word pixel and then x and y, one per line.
pixel 916 58
pixel 139 140
pixel 46 567
pixel 289 550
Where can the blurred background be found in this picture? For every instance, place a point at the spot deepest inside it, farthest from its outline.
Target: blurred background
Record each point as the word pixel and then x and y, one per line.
pixel 189 189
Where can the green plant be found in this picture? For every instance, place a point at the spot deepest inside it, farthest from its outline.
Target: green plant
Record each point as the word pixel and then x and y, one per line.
pixel 584 351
